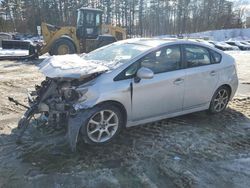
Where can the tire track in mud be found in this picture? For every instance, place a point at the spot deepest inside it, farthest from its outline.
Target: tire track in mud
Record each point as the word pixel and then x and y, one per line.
pixel 152 155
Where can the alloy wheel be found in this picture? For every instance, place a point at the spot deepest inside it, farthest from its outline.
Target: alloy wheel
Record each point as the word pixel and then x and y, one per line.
pixel 102 126
pixel 221 100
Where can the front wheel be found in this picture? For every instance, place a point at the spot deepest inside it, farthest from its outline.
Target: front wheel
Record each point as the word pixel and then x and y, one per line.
pixel 104 124
pixel 220 100
pixel 62 46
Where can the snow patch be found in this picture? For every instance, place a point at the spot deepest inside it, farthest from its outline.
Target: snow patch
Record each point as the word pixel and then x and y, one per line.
pixel 218 35
pixel 70 66
pixel 224 34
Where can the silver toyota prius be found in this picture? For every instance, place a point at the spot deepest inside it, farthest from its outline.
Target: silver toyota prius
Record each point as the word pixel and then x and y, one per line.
pixel 132 82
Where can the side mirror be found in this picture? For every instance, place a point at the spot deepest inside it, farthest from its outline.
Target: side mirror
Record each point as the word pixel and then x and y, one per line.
pixel 144 73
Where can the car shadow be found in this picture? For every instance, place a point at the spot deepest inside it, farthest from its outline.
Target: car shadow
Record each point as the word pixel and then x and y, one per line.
pixel 48 147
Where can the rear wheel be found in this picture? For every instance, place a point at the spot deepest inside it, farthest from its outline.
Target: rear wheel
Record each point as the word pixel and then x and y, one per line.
pixel 103 125
pixel 62 47
pixel 220 100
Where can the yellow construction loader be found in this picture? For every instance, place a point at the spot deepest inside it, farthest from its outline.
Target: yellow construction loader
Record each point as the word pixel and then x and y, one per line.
pixel 88 35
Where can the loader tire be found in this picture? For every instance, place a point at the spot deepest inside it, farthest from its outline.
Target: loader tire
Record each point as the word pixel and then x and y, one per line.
pixel 62 47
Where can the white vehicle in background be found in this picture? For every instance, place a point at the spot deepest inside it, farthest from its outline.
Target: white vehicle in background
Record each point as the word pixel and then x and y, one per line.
pixel 245 42
pixel 206 42
pixel 223 46
pixel 4 36
pixel 230 47
pixel 239 44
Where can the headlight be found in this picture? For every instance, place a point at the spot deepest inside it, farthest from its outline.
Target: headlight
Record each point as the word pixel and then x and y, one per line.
pixel 70 94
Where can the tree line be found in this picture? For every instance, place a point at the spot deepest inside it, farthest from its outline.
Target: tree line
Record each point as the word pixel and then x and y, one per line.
pixel 138 17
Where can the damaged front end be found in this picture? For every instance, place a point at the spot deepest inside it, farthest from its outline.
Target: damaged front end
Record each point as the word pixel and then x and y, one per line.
pixel 62 93
pixel 62 96
pixel 55 99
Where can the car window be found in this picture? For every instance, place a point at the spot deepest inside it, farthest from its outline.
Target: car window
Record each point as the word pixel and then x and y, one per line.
pixel 197 56
pixel 131 70
pixel 216 57
pixel 90 17
pixel 164 60
pixel 97 19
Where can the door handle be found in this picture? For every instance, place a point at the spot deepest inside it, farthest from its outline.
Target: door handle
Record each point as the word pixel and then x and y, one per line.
pixel 178 81
pixel 213 73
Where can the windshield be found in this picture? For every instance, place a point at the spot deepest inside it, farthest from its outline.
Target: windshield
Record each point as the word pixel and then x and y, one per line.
pixel 80 19
pixel 117 52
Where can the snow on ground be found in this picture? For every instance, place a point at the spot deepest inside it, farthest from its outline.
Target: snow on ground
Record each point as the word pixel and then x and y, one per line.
pixel 218 35
pixel 224 35
pixel 243 68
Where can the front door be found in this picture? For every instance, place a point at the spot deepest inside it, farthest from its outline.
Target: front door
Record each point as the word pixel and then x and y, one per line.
pixel 163 94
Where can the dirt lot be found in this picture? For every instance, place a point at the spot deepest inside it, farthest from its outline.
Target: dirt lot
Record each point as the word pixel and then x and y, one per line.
pixel 195 150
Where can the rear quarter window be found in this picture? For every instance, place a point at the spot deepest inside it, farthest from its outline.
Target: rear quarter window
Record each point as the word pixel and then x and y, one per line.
pixel 215 57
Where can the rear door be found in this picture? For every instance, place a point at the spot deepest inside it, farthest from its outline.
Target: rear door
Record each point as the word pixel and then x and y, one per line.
pixel 201 76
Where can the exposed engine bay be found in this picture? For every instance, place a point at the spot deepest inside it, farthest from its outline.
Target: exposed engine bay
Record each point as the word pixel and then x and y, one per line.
pixel 64 86
pixel 62 94
pixel 54 99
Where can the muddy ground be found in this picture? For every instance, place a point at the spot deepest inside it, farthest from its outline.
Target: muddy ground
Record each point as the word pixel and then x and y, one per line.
pixel 195 150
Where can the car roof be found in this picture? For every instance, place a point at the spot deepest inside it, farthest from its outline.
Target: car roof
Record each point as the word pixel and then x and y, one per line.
pixel 155 42
pixel 152 42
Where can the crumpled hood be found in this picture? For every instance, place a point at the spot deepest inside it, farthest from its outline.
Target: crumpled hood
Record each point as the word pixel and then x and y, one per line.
pixel 70 66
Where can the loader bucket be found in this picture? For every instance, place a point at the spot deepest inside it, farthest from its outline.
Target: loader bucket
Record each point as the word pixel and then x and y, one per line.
pixel 18 45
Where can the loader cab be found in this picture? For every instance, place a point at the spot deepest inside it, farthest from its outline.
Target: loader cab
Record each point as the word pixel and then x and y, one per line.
pixel 89 21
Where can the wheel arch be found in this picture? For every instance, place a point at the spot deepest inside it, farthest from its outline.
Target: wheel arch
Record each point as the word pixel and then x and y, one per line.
pixel 117 104
pixel 211 109
pixel 228 87
pixel 223 85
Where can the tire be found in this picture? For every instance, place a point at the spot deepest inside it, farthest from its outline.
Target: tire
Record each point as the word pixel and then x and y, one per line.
pixel 219 100
pixel 91 131
pixel 62 46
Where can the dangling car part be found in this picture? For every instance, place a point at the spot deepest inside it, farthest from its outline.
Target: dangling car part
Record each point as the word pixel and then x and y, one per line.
pixel 25 120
